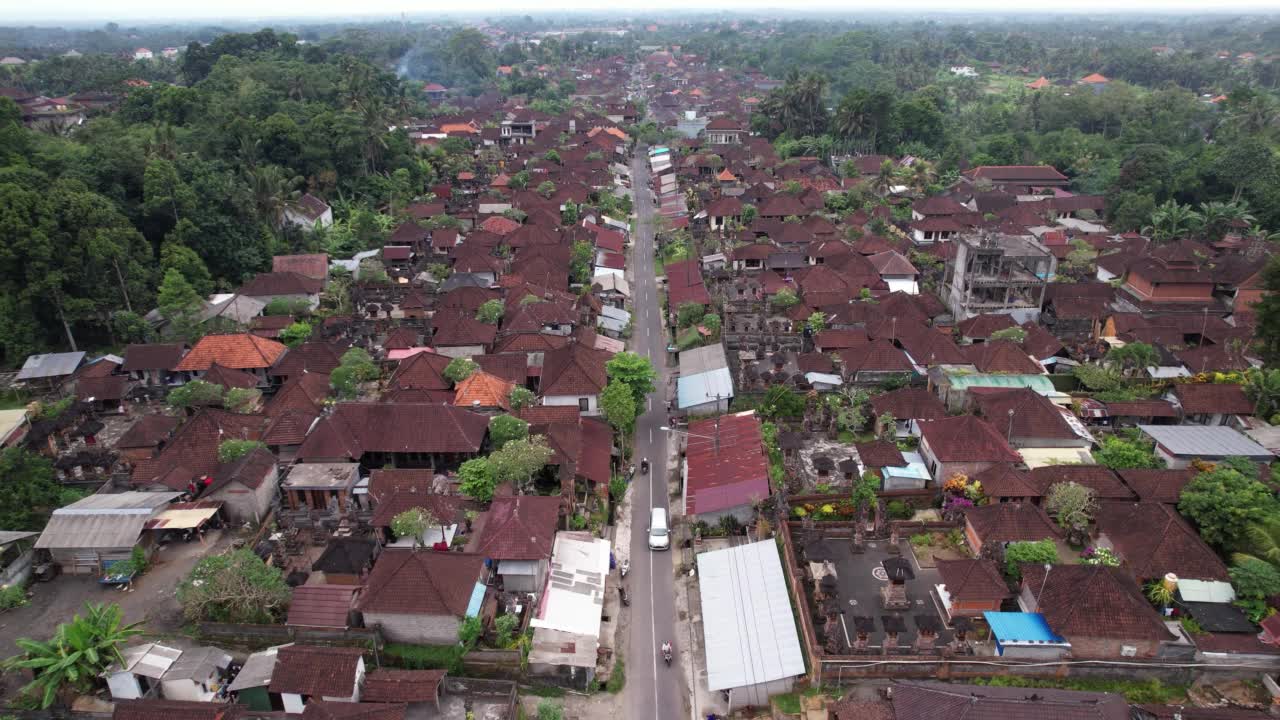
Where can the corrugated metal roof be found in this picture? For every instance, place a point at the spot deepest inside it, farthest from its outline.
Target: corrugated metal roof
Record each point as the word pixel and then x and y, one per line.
pixel 327 606
pixel 198 664
pixel 148 660
pixel 50 365
pixel 574 596
pixel 703 359
pixel 1040 383
pixel 8 536
pixel 103 521
pixel 1215 441
pixel 256 672
pixel 693 390
pixel 1207 591
pixel 1020 627
pixel 748 629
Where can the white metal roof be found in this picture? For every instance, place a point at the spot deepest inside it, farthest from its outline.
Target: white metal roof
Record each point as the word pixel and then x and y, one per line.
pixel 150 660
pixel 1209 591
pixel 49 365
pixel 749 631
pixel 574 595
pixel 694 390
pixel 1209 441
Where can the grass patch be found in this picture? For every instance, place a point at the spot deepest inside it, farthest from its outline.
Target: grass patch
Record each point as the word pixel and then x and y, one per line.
pixel 1138 692
pixel 617 679
pixel 788 704
pixel 544 691
pixel 425 657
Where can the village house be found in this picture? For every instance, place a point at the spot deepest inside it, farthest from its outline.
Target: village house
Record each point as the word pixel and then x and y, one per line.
pixel 422 596
pixel 518 534
pixel 306 673
pixel 963 445
pixel 242 351
pixel 1129 628
pixel 726 471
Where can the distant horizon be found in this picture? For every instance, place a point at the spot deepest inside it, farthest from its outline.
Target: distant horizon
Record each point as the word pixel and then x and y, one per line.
pixel 144 13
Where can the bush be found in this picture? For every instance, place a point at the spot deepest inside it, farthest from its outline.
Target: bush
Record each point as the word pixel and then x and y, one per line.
pixel 469 632
pixel 618 678
pixel 899 510
pixel 617 487
pixel 424 657
pixel 1019 553
pixel 12 596
pixel 503 628
pixel 234 587
pixel 548 710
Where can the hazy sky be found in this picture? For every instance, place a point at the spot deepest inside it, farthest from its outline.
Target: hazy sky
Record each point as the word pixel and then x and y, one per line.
pixel 158 11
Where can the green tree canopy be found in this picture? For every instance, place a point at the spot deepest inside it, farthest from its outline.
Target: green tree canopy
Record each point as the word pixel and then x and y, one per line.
pixel 1225 501
pixel 460 369
pixel 505 428
pixel 234 587
pixel 477 479
pixel 633 370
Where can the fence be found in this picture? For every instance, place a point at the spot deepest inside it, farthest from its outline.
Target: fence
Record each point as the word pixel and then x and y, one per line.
pixel 501 664
pixel 263 635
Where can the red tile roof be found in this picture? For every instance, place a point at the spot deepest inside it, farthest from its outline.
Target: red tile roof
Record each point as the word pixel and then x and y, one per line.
pixel 966 439
pixel 973 580
pixel 1034 417
pixel 1011 522
pixel 155 709
pixel 1093 601
pixel 879 454
pixel 483 390
pixel 1212 399
pixel 152 356
pixel 316 670
pixel 241 352
pixel 228 378
pixel 909 403
pixel 1003 480
pixel 574 370
pixel 193 451
pixel 726 463
pixel 407 686
pixel 1157 485
pixel 520 527
pixel 337 710
pixel 422 582
pixel 312 266
pixel 1001 356
pixel 321 606
pixel 499 225
pixel 1152 539
pixel 877 356
pixel 423 371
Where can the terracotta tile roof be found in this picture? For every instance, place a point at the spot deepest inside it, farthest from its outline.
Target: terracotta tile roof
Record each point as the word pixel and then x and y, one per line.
pixel 520 527
pixel 289 427
pixel 1099 478
pixel 407 686
pixel 574 370
pixel 194 448
pixel 241 352
pixel 312 266
pixel 909 403
pixel 875 356
pixel 980 327
pixel 152 356
pixel 1011 522
pixel 1034 417
pixel 322 606
pixel 482 390
pixel 316 357
pixel 1152 539
pixel 1157 485
pixel 423 582
pixel 966 439
pixel 154 709
pixel 1003 480
pixel 423 371
pixel 305 392
pixel 356 428
pixel 499 225
pixel 973 580
pixel 148 431
pixel 1212 399
pixel 1093 601
pixel 1001 356
pixel 322 710
pixel 316 670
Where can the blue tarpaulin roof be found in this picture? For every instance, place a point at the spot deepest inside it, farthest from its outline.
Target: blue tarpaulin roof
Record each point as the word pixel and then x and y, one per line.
pixel 1020 628
pixel 477 599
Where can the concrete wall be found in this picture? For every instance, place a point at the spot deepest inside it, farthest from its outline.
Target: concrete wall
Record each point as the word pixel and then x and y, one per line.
pixel 243 505
pixel 593 402
pixel 416 629
pixel 759 693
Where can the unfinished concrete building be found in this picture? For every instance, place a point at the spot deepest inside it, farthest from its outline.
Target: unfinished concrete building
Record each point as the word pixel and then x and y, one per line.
pixel 998 273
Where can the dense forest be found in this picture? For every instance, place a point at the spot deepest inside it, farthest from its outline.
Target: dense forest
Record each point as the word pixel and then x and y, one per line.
pixel 191 172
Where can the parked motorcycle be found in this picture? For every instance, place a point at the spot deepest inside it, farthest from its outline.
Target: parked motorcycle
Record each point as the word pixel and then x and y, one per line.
pixel 626 566
pixel 626 599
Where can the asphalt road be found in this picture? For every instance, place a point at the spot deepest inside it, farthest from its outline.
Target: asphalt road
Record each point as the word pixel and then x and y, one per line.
pixel 653 689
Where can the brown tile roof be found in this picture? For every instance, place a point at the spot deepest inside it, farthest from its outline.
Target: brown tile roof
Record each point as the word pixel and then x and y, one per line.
pixel 1152 539
pixel 909 403
pixel 356 428
pixel 391 686
pixel 874 356
pixel 423 371
pixel 322 606
pixel 966 439
pixel 512 367
pixel 313 266
pixel 305 392
pixel 240 351
pixel 1141 408
pixel 1093 601
pixel 1033 415
pixel 152 356
pixel 346 556
pixel 1011 522
pixel 935 701
pixel 861 710
pixel 316 670
pixel 1099 478
pixel 545 414
pixel 402 338
pixel 455 328
pixel 280 283
pixel 1001 356
pixel 574 370
pixel 1003 480
pixel 316 357
pixel 520 527
pixel 154 709
pixel 1040 343
pixel 322 710
pixel 1212 399
pixel 1157 485
pixel 970 580
pixel 250 470
pixel 148 431
pixel 449 509
pixel 110 387
pixel 422 582
pixel 229 378
pixel 880 453
pixel 981 326
pixel 289 427
pixel 194 448
pixel 384 482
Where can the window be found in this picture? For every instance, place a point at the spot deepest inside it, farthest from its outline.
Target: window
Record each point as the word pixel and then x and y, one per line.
pixel 584 403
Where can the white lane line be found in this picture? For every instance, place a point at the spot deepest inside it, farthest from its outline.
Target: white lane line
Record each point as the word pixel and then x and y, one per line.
pixel 653 615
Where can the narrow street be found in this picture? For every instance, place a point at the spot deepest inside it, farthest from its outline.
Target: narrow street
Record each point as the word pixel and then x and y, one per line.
pixel 653 690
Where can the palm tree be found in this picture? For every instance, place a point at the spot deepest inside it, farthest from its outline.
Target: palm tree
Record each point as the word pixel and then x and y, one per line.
pixel 1262 541
pixel 1172 220
pixel 885 178
pixel 77 654
pixel 923 174
pixel 274 190
pixel 1217 217
pixel 1263 387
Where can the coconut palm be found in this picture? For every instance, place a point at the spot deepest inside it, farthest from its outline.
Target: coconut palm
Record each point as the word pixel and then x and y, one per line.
pixel 77 654
pixel 886 178
pixel 1263 387
pixel 274 190
pixel 1171 221
pixel 922 174
pixel 1218 217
